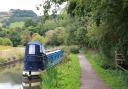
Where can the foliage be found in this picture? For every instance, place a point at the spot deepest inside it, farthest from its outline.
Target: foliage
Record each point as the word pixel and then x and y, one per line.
pixel 55 37
pixel 16 25
pixel 26 37
pixel 81 36
pixel 29 22
pixel 13 34
pixel 49 5
pixel 71 28
pixel 33 29
pixel 74 49
pixel 62 74
pixel 106 23
pixel 98 24
pixel 2 32
pixel 37 37
pixel 15 37
pixel 48 25
pixel 5 41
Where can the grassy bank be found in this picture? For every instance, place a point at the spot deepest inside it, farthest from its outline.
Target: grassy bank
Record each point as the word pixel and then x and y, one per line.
pixel 63 76
pixel 10 52
pixel 115 79
pixel 4 47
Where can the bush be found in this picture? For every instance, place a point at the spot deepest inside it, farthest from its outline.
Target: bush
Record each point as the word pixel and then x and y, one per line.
pixel 1 41
pixel 55 37
pixel 5 41
pixel 37 37
pixel 74 49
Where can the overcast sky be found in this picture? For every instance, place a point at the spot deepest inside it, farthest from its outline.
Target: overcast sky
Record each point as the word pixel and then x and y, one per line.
pixel 6 5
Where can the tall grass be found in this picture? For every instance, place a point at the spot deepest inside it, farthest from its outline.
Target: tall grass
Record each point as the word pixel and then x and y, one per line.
pixel 4 47
pixel 62 76
pixel 115 79
pixel 10 52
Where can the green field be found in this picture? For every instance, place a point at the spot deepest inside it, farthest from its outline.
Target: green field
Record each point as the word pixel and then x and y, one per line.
pixel 115 79
pixel 63 76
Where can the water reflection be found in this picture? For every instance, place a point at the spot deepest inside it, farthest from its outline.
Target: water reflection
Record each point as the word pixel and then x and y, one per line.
pixel 9 86
pixel 11 78
pixel 31 82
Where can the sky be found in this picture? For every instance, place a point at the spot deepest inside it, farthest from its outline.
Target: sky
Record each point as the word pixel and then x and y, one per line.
pixel 6 5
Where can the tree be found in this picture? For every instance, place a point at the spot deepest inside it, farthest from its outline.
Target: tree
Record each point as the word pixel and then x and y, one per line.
pixel 15 37
pixel 81 36
pixel 26 37
pixel 30 22
pixel 55 37
pixel 5 41
pixel 37 37
pixel 3 33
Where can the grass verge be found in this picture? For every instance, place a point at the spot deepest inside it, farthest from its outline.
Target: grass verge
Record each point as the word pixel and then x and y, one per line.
pixel 63 76
pixel 115 79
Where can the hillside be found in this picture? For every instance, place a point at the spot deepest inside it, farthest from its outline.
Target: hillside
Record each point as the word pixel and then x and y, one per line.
pixel 17 15
pixel 4 15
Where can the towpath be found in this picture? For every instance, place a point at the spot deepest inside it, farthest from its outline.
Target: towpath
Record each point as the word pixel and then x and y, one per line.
pixel 89 79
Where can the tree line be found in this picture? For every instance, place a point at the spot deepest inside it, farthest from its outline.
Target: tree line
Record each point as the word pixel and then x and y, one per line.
pixel 96 24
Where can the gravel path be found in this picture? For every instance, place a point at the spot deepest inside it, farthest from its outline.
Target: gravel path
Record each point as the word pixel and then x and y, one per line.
pixel 89 79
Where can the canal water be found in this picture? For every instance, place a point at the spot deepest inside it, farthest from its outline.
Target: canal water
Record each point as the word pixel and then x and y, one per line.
pixel 11 77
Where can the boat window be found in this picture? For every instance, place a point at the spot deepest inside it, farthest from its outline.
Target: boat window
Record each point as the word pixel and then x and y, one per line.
pixel 42 50
pixel 31 49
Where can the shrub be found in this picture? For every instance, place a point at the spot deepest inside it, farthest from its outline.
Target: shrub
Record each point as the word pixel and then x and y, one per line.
pixel 1 41
pixel 5 41
pixel 37 37
pixel 55 37
pixel 74 49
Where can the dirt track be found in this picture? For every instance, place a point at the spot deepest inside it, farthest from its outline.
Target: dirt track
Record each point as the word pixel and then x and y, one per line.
pixel 89 79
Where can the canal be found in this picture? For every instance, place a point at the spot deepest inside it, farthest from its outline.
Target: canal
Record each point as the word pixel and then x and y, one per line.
pixel 11 76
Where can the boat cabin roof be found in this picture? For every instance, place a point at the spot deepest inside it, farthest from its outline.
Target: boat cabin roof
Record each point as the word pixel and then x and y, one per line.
pixel 34 43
